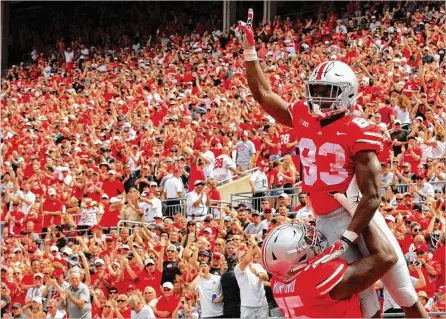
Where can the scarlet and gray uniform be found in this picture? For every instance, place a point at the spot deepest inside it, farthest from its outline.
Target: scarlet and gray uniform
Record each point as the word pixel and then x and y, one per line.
pixel 327 155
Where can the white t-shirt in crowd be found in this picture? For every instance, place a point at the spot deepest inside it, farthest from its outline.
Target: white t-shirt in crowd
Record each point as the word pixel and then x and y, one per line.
pixel 260 181
pixel 69 56
pixel 31 197
pixel 209 168
pixel 172 187
pixel 426 150
pixel 303 213
pixel 151 210
pixel 253 292
pixel 200 211
pixel 402 116
pixel 145 313
pixel 427 189
pixel 206 288
pixel 221 167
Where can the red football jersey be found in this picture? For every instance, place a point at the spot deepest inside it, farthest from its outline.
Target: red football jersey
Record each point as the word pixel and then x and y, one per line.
pixel 287 136
pixel 307 295
pixel 327 153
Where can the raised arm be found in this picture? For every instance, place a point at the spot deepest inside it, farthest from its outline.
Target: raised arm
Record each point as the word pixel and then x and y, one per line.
pixel 263 94
pixel 365 272
pixel 258 84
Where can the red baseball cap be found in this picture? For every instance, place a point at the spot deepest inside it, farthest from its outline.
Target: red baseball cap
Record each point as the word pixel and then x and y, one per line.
pixel 32 249
pixel 57 272
pixel 422 247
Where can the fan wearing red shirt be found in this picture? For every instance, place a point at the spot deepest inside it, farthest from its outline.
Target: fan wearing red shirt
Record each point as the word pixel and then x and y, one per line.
pixel 109 247
pixel 14 219
pixel 152 273
pixel 288 142
pixel 405 207
pixel 93 188
pixel 439 259
pixel 112 187
pixel 407 243
pixel 52 210
pixel 167 303
pixel 429 268
pixel 214 194
pixel 207 223
pixel 130 267
pixel 412 154
pixel 196 172
pixel 272 141
pixel 387 113
pixel 123 307
pixel 274 177
pixel 440 304
pixel 28 279
pixel 101 278
pixel 420 216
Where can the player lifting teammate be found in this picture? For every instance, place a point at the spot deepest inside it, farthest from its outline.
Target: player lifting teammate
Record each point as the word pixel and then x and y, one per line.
pixel 337 151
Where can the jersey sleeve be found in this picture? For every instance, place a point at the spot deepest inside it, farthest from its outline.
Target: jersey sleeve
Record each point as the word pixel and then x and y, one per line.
pixel 366 136
pixel 328 275
pixel 295 110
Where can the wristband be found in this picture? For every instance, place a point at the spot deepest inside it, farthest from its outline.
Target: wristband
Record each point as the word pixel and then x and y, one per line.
pixel 250 54
pixel 350 236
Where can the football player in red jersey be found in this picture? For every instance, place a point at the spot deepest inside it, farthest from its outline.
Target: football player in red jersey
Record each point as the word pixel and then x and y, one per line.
pixel 338 153
pixel 308 282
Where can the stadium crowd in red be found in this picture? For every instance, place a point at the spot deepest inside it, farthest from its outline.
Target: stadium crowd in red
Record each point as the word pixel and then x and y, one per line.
pixel 93 135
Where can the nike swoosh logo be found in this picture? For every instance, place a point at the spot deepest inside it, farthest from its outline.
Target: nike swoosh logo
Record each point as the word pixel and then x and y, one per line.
pixel 340 133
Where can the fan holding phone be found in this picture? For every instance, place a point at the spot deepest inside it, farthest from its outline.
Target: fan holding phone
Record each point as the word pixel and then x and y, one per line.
pixel 186 308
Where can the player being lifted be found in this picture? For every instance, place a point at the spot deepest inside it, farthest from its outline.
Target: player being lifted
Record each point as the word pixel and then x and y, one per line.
pixel 336 150
pixel 308 282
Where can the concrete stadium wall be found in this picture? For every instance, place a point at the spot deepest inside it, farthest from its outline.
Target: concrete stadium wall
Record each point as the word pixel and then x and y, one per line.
pixel 239 186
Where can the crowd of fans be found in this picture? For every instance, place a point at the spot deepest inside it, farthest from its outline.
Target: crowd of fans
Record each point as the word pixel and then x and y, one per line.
pixel 142 131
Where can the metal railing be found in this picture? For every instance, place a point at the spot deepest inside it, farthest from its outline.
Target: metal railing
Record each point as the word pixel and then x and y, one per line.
pixel 235 177
pixel 180 205
pixel 272 195
pixel 404 188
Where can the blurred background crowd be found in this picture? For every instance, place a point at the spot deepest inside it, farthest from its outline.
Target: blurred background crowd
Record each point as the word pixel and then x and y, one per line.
pixel 120 122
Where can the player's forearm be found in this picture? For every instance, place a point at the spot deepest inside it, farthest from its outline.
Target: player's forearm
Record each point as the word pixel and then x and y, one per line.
pixel 367 170
pixel 263 94
pixel 258 84
pixel 365 272
pixel 364 213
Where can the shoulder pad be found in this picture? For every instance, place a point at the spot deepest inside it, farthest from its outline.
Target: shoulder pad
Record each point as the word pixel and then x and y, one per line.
pixel 366 135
